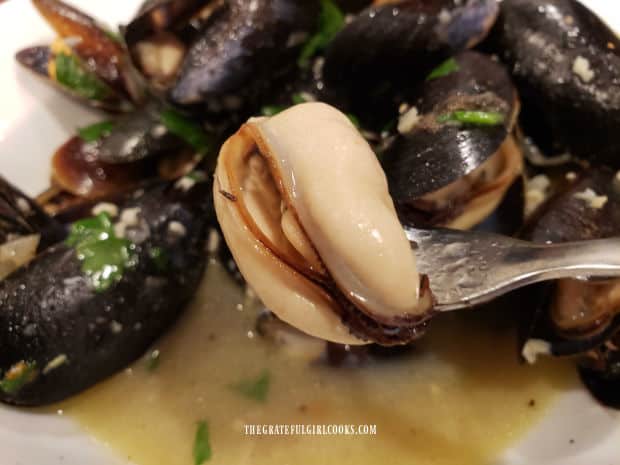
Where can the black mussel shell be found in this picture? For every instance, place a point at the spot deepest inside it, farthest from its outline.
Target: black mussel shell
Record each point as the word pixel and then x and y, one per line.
pixel 37 60
pixel 158 37
pixel 72 336
pixel 100 52
pixel 566 65
pixel 241 52
pixel 401 43
pixel 20 216
pixel 138 135
pixel 569 217
pixel 434 154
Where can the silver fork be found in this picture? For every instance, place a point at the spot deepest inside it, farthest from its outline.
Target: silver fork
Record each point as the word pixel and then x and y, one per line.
pixel 468 268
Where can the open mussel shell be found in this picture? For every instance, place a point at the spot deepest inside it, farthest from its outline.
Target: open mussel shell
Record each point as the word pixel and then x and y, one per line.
pixel 450 172
pixel 61 334
pixel 579 317
pixel 242 51
pixel 77 170
pixel 38 60
pixel 21 216
pixel 100 53
pixel 290 207
pixel 566 65
pixel 403 41
pixel 160 34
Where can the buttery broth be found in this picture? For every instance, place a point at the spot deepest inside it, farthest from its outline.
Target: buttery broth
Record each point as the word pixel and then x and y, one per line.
pixel 460 398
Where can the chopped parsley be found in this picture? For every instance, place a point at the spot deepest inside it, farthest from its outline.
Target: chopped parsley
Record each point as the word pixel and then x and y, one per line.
pixel 298 98
pixel 272 110
pixel 331 20
pixel 202 445
pixel 473 117
pixel 70 73
pixel 188 130
pixel 254 388
pixel 96 131
pixel 159 258
pixel 104 256
pixel 152 361
pixel 447 67
pixel 18 376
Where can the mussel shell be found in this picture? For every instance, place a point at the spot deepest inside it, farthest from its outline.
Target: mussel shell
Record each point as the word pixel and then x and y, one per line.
pixel 604 382
pixel 241 52
pixel 20 215
pixel 401 43
pixel 101 54
pixel 431 157
pixel 565 218
pixel 76 169
pixel 50 309
pixel 163 24
pixel 564 108
pixel 136 136
pixel 36 59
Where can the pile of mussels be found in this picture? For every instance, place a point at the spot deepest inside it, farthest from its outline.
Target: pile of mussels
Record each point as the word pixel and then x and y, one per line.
pixel 482 114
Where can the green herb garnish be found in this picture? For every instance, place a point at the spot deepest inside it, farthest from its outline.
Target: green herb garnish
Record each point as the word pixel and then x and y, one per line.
pixel 18 376
pixel 104 256
pixel 96 131
pixel 188 130
pixel 272 110
pixel 476 118
pixel 297 99
pixel 331 20
pixel 255 388
pixel 202 445
pixel 152 361
pixel 354 119
pixel 159 257
pixel 70 73
pixel 447 67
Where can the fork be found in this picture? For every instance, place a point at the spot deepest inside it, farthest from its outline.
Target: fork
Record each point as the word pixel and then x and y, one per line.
pixel 467 268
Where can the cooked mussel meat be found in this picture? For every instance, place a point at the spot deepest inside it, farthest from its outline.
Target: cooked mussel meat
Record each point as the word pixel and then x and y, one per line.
pixel 566 65
pixel 85 307
pixel 455 158
pixel 304 207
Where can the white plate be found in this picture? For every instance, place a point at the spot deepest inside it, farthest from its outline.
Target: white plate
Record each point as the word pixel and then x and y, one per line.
pixel 34 120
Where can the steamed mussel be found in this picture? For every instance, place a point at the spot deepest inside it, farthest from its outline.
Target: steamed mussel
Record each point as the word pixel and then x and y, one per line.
pixel 580 317
pixel 90 303
pixel 455 157
pixel 86 61
pixel 566 65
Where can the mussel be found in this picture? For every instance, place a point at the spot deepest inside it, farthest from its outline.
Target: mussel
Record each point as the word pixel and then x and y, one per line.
pixel 242 51
pixel 390 46
pixel 304 207
pixel 580 317
pixel 87 306
pixel 85 61
pixel 111 156
pixel 454 161
pixel 159 36
pixel 566 65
